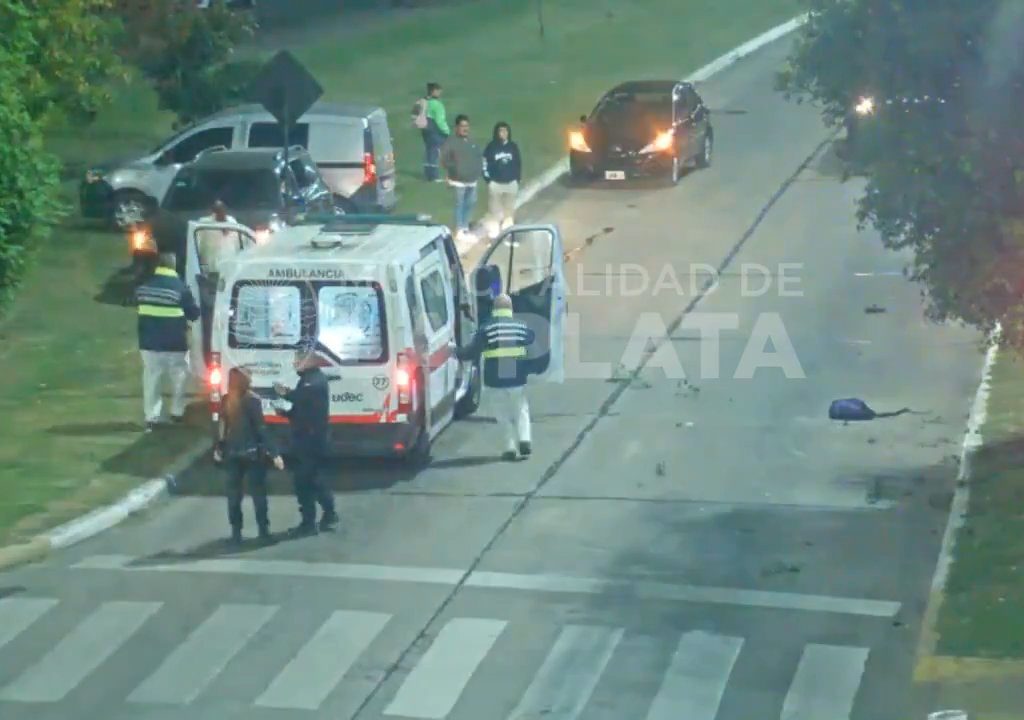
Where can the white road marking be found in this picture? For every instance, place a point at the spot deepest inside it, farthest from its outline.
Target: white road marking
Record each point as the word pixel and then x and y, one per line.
pixel 695 681
pixel 564 683
pixel 16 614
pixel 435 684
pixel 203 655
pixel 685 593
pixel 82 651
pixel 512 581
pixel 321 664
pixel 283 568
pixel 826 683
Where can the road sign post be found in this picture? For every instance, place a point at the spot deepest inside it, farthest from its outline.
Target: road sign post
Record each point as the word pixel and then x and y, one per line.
pixel 287 90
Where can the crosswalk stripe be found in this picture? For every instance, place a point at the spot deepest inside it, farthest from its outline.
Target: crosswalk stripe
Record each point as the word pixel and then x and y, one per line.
pixel 695 682
pixel 826 683
pixel 435 684
pixel 80 652
pixel 200 658
pixel 321 664
pixel 567 678
pixel 16 614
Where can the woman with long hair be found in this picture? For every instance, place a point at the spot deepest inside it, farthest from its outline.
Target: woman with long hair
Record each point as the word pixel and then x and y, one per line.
pixel 243 447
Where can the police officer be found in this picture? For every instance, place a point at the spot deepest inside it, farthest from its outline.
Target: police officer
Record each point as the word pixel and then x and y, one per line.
pixel 165 306
pixel 501 342
pixel 308 416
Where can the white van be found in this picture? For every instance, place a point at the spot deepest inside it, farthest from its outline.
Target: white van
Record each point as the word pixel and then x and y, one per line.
pixel 386 301
pixel 349 142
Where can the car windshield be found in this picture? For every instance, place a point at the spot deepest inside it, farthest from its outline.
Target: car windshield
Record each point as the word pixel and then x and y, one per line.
pixel 195 190
pixel 626 107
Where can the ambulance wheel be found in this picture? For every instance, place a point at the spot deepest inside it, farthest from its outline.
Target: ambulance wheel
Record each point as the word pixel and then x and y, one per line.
pixel 470 402
pixel 418 455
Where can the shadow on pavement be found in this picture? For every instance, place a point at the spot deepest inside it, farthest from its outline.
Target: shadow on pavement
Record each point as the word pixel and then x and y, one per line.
pixel 151 454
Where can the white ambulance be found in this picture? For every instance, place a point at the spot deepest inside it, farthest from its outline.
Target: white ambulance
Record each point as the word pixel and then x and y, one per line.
pixel 385 302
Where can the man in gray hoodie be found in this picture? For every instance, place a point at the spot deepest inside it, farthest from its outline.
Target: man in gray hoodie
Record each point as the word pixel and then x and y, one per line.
pixel 463 162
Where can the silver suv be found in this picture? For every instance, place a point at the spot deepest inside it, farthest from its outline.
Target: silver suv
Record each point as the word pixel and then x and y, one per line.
pixel 350 144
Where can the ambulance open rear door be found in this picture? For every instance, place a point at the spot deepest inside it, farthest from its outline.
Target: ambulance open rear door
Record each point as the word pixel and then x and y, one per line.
pixel 202 277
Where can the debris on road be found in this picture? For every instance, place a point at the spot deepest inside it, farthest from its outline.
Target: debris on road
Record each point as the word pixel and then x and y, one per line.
pixel 779 568
pixel 659 469
pixel 855 409
pixel 874 309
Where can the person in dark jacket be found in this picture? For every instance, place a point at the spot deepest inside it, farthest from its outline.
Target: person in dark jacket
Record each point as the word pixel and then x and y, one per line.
pixel 501 342
pixel 165 307
pixel 309 417
pixel 243 446
pixel 503 170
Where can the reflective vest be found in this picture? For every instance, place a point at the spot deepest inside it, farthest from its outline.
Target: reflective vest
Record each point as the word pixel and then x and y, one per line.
pixel 165 305
pixel 503 343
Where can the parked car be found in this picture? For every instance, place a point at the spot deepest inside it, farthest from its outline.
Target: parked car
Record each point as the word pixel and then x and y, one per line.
pixel 260 190
pixel 350 143
pixel 643 128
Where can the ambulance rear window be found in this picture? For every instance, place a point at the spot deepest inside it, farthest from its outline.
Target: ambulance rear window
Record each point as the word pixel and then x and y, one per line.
pixel 350 322
pixel 267 316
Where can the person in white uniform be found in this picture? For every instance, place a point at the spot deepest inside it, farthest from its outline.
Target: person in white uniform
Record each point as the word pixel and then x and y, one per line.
pixel 502 343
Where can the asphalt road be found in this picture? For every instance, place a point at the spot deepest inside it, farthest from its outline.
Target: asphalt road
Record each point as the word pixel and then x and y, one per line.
pixel 724 553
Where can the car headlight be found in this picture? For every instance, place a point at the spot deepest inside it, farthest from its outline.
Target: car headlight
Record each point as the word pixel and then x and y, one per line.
pixel 663 142
pixel 865 106
pixel 577 142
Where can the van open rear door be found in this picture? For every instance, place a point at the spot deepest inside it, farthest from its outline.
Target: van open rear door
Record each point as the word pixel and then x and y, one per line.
pixel 526 262
pixel 202 276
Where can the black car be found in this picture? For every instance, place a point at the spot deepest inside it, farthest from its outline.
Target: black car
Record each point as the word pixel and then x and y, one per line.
pixel 642 129
pixel 258 187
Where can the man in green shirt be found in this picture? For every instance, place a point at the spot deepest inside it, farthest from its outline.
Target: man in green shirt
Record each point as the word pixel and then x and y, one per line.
pixel 435 132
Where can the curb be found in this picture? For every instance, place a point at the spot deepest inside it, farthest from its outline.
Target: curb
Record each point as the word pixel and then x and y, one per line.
pixel 957 511
pixel 150 492
pixel 101 519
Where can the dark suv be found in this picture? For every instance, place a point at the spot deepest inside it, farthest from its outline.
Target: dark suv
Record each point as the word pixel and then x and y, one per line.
pixel 258 187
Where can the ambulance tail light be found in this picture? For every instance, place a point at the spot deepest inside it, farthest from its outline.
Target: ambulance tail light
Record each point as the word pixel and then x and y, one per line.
pixel 369 169
pixel 404 383
pixel 215 376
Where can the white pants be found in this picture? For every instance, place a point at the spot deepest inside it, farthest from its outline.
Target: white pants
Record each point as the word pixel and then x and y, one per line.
pixel 157 367
pixel 501 205
pixel 513 412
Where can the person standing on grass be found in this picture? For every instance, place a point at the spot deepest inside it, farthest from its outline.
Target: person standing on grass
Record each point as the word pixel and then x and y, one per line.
pixel 309 417
pixel 463 164
pixel 502 171
pixel 243 446
pixel 165 307
pixel 430 118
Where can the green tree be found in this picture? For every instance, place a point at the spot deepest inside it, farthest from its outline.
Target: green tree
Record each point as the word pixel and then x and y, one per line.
pixel 55 59
pixel 944 150
pixel 187 53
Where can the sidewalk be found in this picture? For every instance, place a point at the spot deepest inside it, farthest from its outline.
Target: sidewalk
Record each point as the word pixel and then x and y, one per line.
pixel 972 656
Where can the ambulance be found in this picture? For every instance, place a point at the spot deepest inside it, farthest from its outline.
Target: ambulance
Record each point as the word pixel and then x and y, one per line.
pixel 384 302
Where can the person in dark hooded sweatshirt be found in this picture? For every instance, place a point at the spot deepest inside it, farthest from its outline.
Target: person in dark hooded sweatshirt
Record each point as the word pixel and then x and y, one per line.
pixel 503 170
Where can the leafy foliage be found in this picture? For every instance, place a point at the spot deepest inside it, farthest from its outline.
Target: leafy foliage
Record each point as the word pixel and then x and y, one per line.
pixel 187 53
pixel 53 59
pixel 944 151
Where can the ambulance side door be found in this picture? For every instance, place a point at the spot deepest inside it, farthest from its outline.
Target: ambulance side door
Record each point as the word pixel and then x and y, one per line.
pixel 439 362
pixel 526 262
pixel 202 282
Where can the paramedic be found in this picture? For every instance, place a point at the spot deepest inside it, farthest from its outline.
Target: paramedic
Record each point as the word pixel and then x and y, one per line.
pixel 501 342
pixel 309 417
pixel 166 306
pixel 214 247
